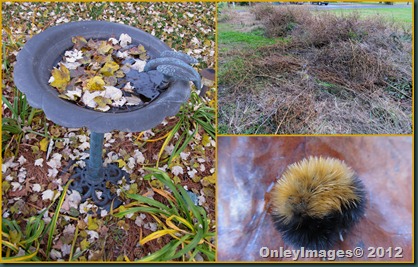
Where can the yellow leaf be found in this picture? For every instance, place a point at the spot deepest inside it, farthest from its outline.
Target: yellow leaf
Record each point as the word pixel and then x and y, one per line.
pixel 79 42
pixel 104 47
pixel 92 224
pixel 44 144
pixel 205 140
pixel 157 184
pixel 120 258
pixel 156 235
pixel 61 77
pixel 207 43
pixel 121 208
pixel 15 236
pixel 133 189
pixel 176 180
pixel 95 84
pixel 84 244
pixel 119 74
pixel 109 68
pixel 121 163
pixel 181 220
pixel 102 101
pixel 208 180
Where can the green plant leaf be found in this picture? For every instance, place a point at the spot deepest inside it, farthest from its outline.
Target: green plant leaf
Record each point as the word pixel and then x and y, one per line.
pixel 54 219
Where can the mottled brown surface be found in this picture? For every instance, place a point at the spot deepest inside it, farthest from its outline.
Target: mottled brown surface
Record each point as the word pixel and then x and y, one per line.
pixel 248 167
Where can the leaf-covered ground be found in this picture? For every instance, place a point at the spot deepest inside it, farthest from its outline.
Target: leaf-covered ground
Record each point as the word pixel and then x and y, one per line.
pixel 36 151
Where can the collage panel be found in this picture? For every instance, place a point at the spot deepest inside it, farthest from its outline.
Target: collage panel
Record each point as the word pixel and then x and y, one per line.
pixel 315 67
pixel 315 199
pixel 207 132
pixel 108 132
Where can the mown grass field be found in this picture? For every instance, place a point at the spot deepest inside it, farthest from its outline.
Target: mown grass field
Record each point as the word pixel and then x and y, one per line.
pixel 403 15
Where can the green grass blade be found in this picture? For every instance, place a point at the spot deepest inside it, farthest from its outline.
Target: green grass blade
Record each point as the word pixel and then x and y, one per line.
pixel 195 241
pixel 167 140
pixel 7 102
pixel 176 152
pixel 156 255
pixel 149 201
pixel 163 177
pixel 141 209
pixel 191 205
pixel 22 258
pixel 170 254
pixel 54 220
pixel 209 253
pixel 40 227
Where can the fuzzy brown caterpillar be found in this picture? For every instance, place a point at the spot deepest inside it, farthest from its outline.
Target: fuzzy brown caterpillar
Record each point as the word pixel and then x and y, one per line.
pixel 315 201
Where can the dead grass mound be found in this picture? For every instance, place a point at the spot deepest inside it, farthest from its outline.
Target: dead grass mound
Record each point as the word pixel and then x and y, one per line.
pixel 227 15
pixel 262 10
pixel 335 74
pixel 355 61
pixel 280 21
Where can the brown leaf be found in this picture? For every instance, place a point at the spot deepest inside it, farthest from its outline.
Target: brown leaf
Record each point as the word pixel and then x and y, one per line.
pixel 79 42
pixel 104 47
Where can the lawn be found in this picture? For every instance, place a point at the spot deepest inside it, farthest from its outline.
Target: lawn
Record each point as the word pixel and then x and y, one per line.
pixel 253 39
pixel 403 15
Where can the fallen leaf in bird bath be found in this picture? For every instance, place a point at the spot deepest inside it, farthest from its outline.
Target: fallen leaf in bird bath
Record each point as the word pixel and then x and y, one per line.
pixel 95 84
pixel 133 100
pixel 125 39
pixel 60 77
pixel 109 68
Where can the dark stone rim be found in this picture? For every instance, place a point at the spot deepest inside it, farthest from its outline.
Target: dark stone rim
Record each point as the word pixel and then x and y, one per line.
pixel 37 58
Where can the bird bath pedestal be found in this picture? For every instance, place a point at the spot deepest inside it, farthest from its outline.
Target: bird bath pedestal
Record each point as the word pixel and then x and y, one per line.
pixel 33 70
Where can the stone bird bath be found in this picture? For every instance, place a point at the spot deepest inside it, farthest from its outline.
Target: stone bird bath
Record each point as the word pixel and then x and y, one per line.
pixel 33 70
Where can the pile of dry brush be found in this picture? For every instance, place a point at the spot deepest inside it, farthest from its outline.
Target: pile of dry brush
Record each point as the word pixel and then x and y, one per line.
pixel 327 74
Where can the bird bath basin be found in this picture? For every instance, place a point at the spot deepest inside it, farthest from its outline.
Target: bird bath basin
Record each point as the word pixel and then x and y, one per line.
pixel 33 70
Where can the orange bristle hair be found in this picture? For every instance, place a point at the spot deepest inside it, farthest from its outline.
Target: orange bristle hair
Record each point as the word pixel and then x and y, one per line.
pixel 315 201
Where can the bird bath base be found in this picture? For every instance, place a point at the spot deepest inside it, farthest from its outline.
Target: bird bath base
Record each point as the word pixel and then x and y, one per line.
pixel 94 177
pixel 88 187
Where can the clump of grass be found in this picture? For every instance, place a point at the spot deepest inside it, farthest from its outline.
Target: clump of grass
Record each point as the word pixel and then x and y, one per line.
pixel 237 71
pixel 181 219
pixel 193 117
pixel 280 21
pixel 227 15
pixel 355 61
pixel 18 115
pixel 261 10
pixel 18 124
pixel 21 241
